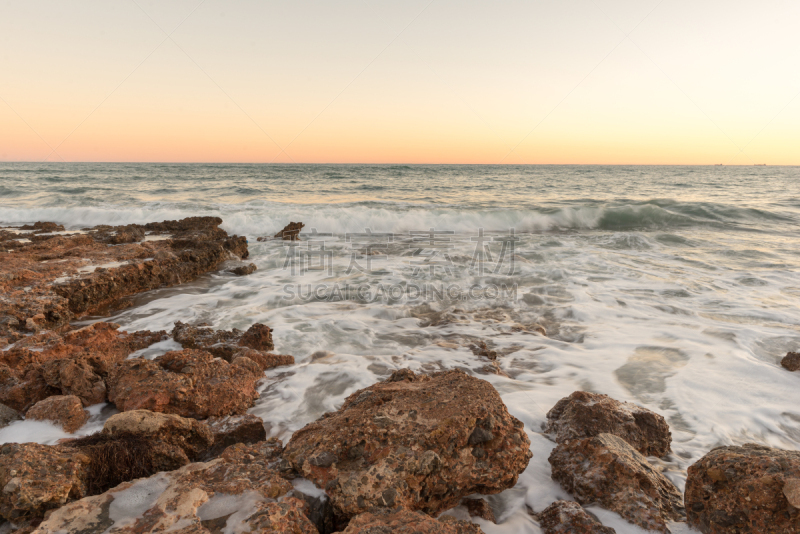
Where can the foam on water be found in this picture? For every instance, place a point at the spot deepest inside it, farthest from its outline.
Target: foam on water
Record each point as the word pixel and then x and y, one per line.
pixel 679 293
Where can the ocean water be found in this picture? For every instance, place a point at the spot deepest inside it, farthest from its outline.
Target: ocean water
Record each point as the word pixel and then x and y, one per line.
pixel 675 288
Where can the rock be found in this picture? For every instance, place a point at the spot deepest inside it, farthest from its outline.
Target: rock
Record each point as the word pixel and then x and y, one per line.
pixel 234 429
pixel 291 232
pixel 479 508
pixel 192 436
pixel 238 492
pixel 585 415
pixel 747 489
pixel 64 410
pixel 8 416
pixel 43 227
pixel 265 360
pixel 607 470
pixel 791 361
pixel 568 517
pixel 37 478
pixel 74 363
pixel 45 283
pixel 223 343
pixel 405 521
pixel 244 270
pixel 422 442
pixel 189 383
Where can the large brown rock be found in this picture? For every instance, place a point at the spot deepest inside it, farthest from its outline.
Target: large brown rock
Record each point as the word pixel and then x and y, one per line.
pixel 748 489
pixel 569 517
pixel 421 442
pixel 189 383
pixel 239 492
pixel 405 521
pixel 192 436
pixel 64 410
pixel 607 470
pixel 291 232
pixel 46 280
pixel 585 415
pixel 233 429
pixel 36 478
pixel 791 362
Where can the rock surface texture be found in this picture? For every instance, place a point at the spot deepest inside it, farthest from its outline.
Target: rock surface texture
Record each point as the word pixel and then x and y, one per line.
pixel 63 410
pixel 291 232
pixel 405 521
pixel 569 517
pixel 585 415
pixel 750 489
pixel 607 470
pixel 189 383
pixel 415 441
pixel 238 492
pixel 233 429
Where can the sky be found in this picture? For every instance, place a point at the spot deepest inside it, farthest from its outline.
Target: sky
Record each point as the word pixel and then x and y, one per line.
pixel 412 81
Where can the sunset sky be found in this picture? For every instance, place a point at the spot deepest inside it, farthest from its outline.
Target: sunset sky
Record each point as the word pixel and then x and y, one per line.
pixel 442 81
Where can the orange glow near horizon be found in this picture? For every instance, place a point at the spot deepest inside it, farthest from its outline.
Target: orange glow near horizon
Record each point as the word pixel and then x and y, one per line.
pixel 410 83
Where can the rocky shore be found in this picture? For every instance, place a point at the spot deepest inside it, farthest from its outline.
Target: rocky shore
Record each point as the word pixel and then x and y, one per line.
pixel 184 455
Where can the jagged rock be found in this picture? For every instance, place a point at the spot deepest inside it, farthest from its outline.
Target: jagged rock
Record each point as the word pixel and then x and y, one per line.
pixel 234 429
pixel 223 343
pixel 35 478
pixel 423 442
pixel 64 410
pixel 568 517
pixel 791 361
pixel 479 508
pixel 405 521
pixel 244 270
pixel 192 436
pixel 45 282
pixel 265 360
pixel 748 489
pixel 74 363
pixel 238 492
pixel 291 232
pixel 607 470
pixel 8 415
pixel 41 227
pixel 189 383
pixel 585 415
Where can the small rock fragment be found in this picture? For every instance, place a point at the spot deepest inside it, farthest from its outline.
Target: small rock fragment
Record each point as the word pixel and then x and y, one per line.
pixel 479 508
pixel 791 361
pixel 569 517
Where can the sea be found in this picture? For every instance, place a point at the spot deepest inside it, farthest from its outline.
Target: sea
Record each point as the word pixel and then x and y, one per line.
pixel 675 288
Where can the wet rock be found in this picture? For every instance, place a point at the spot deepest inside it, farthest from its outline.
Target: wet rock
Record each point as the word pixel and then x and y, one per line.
pixel 8 415
pixel 291 232
pixel 64 410
pixel 406 442
pixel 481 349
pixel 568 517
pixel 234 429
pixel 43 227
pixel 50 280
pixel 405 521
pixel 192 436
pixel 36 478
pixel 74 363
pixel 607 470
pixel 189 383
pixel 585 415
pixel 747 489
pixel 238 492
pixel 265 360
pixel 244 270
pixel 223 343
pixel 479 508
pixel 791 361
